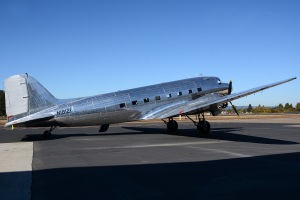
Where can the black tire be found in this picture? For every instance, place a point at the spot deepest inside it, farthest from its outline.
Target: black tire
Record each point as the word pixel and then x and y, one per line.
pixel 203 127
pixel 172 126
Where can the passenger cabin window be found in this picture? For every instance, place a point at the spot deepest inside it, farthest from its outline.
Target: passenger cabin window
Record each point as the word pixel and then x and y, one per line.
pixel 199 89
pixel 157 98
pixel 134 102
pixel 122 105
pixel 169 95
pixel 179 93
pixel 190 91
pixel 146 100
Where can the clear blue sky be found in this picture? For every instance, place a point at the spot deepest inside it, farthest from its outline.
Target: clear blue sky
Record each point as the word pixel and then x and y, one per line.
pixel 81 48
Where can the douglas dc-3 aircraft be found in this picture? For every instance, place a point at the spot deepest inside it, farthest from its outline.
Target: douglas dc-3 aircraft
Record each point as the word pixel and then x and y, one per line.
pixel 29 104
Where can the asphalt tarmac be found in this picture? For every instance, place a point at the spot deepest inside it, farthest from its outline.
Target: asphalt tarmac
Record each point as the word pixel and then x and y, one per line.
pixel 252 160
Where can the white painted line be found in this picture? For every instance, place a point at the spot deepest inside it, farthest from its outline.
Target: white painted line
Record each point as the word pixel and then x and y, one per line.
pixel 154 145
pixel 296 126
pixel 223 152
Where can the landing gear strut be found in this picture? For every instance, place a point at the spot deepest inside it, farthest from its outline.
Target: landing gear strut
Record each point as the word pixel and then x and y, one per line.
pixel 203 126
pixel 172 125
pixel 47 134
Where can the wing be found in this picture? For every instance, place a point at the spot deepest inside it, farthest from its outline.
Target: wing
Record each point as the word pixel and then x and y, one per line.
pixel 202 103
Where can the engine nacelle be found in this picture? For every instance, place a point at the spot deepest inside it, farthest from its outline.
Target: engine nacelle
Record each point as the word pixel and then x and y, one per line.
pixel 224 105
pixel 215 112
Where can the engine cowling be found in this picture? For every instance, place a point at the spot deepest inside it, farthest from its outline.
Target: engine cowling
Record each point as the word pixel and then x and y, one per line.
pixel 216 112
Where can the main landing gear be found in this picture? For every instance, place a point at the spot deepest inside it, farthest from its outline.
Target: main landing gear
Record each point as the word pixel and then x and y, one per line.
pixel 203 126
pixel 47 134
pixel 172 125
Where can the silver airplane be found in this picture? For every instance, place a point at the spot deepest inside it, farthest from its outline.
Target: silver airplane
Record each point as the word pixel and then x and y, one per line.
pixel 29 104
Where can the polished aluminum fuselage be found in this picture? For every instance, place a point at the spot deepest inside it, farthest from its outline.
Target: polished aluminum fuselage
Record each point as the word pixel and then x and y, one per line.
pixel 131 105
pixel 30 104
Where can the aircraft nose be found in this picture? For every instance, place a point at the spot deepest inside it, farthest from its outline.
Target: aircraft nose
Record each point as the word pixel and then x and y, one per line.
pixel 227 87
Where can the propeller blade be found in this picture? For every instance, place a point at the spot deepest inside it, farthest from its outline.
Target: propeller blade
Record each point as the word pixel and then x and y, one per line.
pixel 230 87
pixel 234 108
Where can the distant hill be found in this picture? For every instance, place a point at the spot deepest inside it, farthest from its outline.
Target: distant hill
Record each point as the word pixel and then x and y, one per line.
pixel 245 107
pixel 239 107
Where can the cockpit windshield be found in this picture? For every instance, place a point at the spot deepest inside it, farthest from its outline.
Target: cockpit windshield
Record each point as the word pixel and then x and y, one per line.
pixel 219 81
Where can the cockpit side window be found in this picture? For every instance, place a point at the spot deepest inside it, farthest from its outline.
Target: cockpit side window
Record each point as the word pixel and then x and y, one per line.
pixel 219 81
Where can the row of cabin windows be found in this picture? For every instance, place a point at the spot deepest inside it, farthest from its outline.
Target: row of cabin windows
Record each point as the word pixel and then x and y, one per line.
pixel 158 98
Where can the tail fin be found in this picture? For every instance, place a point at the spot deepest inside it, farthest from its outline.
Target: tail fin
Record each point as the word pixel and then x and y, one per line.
pixel 24 96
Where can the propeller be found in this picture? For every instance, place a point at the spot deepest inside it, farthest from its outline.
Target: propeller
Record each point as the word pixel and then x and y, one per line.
pixel 229 92
pixel 230 87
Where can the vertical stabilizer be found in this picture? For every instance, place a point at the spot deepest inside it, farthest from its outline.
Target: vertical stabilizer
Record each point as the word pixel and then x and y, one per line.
pixel 24 95
pixel 39 97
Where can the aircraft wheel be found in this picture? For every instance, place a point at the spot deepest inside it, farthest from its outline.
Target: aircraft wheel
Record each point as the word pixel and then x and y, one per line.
pixel 203 127
pixel 47 134
pixel 172 126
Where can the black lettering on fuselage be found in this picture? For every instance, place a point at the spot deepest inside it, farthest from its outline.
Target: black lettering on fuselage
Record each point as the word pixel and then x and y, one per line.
pixel 64 111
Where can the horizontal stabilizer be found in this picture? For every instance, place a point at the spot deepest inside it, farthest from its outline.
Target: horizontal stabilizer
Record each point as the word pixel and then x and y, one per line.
pixel 31 119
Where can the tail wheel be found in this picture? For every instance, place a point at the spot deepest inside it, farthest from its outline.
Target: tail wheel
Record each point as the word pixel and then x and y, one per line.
pixel 203 127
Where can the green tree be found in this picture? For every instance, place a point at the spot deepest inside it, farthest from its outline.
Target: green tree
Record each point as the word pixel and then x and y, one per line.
pixel 2 103
pixel 279 108
pixel 288 107
pixel 298 107
pixel 292 107
pixel 249 109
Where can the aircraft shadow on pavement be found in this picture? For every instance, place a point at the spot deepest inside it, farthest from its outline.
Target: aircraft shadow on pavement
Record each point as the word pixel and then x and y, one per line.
pixel 262 177
pixel 56 136
pixel 39 137
pixel 227 134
